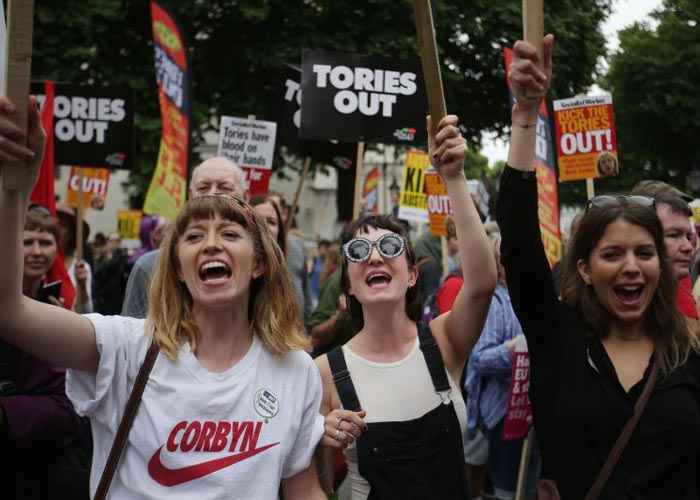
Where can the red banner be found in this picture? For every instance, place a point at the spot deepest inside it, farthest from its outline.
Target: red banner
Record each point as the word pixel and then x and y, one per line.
pixel 168 188
pixel 518 419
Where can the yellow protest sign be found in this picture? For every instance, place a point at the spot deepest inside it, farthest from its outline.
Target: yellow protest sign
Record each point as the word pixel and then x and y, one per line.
pixel 413 204
pixel 128 223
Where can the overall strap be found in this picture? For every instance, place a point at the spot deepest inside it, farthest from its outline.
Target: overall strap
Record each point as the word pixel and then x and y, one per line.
pixel 342 379
pixel 433 358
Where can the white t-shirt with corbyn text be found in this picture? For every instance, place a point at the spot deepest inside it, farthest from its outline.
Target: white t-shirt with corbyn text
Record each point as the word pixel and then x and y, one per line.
pixel 197 434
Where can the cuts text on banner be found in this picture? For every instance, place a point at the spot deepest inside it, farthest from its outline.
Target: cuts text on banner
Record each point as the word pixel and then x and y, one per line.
pixel 94 189
pixel 167 191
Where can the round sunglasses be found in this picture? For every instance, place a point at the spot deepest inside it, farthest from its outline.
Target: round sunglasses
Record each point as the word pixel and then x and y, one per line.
pixel 610 201
pixel 359 249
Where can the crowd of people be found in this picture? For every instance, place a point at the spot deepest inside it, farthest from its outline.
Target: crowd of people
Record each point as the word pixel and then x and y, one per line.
pixel 363 368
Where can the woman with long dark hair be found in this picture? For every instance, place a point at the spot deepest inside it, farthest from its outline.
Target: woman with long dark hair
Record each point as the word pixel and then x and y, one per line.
pixel 615 346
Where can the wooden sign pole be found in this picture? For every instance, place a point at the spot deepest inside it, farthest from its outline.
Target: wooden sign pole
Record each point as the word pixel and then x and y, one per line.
pixel 590 188
pixel 359 171
pixel 429 60
pixel 295 203
pixel 433 80
pixel 533 29
pixel 525 456
pixel 20 24
pixel 79 234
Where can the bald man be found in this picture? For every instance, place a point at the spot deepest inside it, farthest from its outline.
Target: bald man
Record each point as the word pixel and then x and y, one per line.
pixel 216 175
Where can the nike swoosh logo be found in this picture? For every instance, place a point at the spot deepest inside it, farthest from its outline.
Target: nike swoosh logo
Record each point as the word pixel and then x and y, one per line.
pixel 173 477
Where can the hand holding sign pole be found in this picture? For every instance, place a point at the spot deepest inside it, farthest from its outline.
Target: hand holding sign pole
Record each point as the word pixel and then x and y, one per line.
pixel 18 44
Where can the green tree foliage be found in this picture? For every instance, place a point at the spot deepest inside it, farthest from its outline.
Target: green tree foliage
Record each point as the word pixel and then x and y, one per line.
pixel 657 104
pixel 238 49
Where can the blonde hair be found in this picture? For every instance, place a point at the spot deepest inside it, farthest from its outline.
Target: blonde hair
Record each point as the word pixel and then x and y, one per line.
pixel 272 312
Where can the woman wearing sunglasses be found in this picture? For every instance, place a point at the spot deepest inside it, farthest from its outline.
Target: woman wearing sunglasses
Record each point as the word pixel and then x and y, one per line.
pixel 615 374
pixel 230 408
pixel 391 395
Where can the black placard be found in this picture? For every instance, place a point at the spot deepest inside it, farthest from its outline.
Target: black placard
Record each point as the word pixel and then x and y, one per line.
pixel 352 98
pixel 93 126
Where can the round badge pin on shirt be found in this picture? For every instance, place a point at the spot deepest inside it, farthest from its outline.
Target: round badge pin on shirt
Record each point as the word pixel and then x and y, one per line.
pixel 266 404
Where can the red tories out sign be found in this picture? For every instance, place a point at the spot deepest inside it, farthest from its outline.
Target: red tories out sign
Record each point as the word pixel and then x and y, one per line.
pixel 586 138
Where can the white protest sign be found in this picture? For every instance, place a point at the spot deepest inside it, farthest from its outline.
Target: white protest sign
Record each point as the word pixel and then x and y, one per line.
pixel 251 145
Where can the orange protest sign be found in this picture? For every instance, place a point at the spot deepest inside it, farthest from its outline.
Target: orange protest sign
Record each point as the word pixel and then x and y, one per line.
pixel 439 203
pixel 94 189
pixel 586 138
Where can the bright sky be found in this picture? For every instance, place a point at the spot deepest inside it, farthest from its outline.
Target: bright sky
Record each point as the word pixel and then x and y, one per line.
pixel 625 12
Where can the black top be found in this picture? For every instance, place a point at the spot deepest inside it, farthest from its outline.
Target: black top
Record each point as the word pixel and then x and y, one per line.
pixel 578 402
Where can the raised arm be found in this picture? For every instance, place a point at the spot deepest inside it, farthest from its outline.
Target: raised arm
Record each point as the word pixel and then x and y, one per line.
pixel 51 333
pixel 458 330
pixel 527 270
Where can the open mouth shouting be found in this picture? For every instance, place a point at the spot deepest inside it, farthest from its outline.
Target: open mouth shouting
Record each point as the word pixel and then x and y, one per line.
pixel 214 272
pixel 378 279
pixel 629 295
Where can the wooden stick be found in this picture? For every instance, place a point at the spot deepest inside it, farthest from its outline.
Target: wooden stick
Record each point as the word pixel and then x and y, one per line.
pixel 79 235
pixel 445 257
pixel 430 60
pixel 20 24
pixel 533 29
pixel 359 170
pixel 525 455
pixel 302 179
pixel 590 188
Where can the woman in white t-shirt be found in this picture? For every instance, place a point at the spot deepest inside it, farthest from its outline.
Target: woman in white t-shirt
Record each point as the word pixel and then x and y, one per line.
pixel 391 394
pixel 231 407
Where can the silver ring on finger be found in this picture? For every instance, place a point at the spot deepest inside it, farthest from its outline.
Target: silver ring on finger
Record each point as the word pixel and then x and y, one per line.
pixel 338 434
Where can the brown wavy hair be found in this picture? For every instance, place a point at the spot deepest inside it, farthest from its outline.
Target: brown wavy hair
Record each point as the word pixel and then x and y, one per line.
pixel 272 312
pixel 663 321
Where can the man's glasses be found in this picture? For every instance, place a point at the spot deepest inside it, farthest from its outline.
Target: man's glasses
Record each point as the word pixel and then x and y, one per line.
pixel 613 201
pixel 359 249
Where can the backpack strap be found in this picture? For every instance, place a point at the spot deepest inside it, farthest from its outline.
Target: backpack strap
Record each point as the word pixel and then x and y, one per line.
pixel 433 358
pixel 132 406
pixel 342 379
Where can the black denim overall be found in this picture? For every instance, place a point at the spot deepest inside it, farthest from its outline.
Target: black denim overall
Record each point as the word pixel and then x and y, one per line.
pixel 414 459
